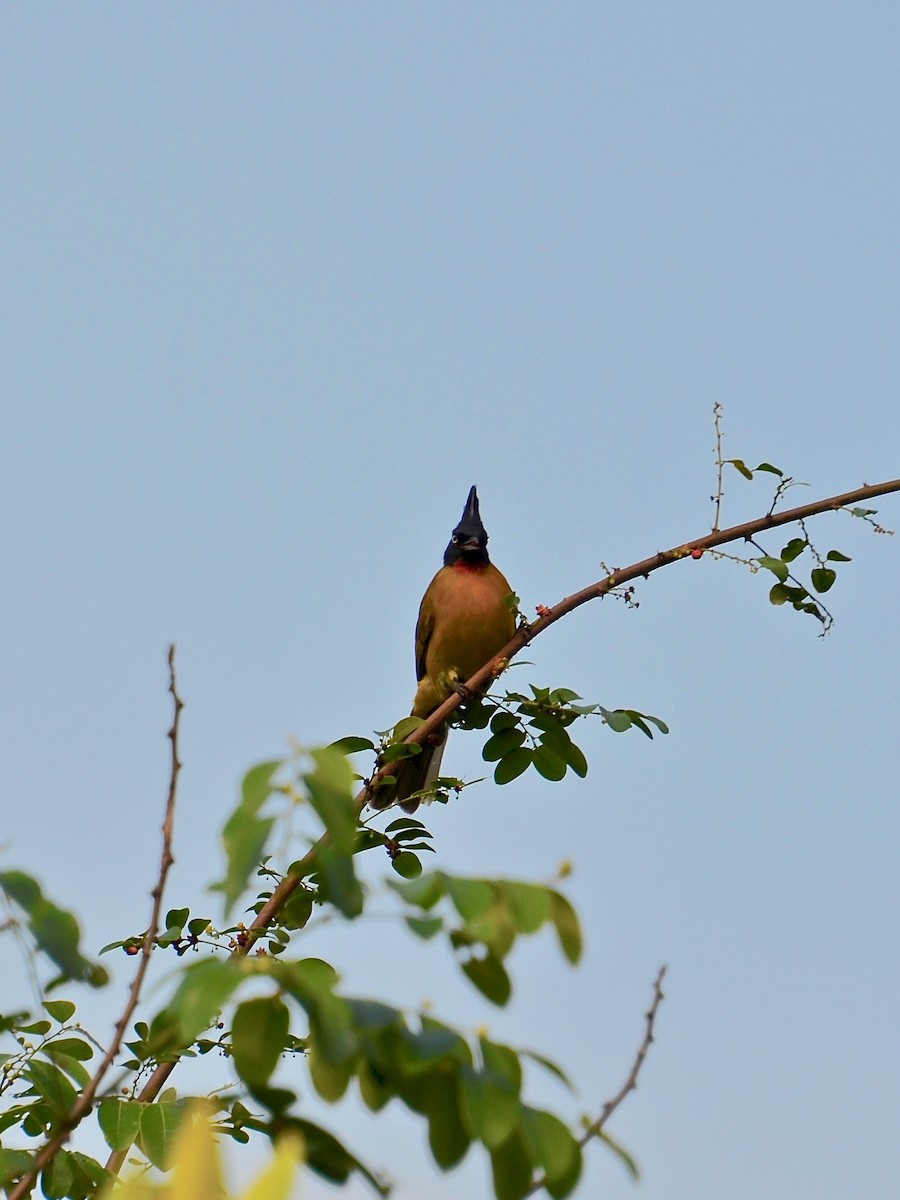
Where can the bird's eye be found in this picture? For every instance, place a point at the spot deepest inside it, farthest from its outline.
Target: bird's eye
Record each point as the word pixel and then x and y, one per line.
pixel 455 539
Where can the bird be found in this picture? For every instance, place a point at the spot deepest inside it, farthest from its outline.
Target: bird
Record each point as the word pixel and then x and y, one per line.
pixel 467 616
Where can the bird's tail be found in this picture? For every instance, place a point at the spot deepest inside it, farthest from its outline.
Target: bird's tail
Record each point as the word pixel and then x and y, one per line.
pixel 412 775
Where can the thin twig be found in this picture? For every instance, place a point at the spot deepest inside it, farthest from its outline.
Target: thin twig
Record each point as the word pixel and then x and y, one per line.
pixel 596 1127
pixel 84 1103
pixel 720 463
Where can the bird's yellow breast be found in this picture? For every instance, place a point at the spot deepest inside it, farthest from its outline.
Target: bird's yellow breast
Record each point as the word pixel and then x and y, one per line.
pixel 464 620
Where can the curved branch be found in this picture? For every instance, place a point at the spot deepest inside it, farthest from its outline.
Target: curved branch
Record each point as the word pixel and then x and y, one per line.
pixel 85 1101
pixel 486 674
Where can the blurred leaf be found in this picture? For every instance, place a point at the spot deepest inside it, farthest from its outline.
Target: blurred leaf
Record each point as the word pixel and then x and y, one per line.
pixel 530 903
pixel 13 1164
pixel 244 839
pixel 567 927
pixel 424 892
pixel 512 1165
pixel 502 1062
pixel 621 1153
pixel 470 896
pixel 490 1106
pixel 204 989
pixel 550 1066
pixel 489 976
pixel 54 930
pixel 330 788
pixel 425 927
pixel 555 1148
pixel 258 1034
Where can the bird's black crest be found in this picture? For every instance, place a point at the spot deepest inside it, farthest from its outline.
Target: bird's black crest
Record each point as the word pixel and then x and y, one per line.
pixel 469 540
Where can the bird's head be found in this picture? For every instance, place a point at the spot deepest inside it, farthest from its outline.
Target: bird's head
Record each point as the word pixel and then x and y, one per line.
pixel 468 543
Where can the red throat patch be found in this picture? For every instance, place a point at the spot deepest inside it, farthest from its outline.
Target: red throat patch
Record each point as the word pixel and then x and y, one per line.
pixel 467 568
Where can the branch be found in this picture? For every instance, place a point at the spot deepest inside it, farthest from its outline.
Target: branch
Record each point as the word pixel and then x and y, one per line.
pixel 83 1105
pixel 595 1129
pixel 483 678
pixel 486 674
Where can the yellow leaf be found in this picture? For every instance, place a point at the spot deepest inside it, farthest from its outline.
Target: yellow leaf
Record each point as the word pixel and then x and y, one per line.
pixel 275 1181
pixel 196 1172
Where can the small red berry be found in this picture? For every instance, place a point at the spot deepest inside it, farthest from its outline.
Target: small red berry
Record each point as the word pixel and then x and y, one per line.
pixel 698 553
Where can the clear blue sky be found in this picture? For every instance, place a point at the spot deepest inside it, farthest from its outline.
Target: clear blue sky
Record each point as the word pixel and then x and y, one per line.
pixel 280 282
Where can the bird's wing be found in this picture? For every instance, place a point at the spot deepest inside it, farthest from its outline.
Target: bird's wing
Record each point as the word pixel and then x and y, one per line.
pixel 424 630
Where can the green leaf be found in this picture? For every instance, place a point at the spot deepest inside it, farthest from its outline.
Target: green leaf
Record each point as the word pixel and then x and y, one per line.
pixel 176 917
pixel 407 865
pixel 330 788
pixel 489 976
pixel 424 892
pixel 54 929
pixel 548 763
pixel 740 465
pixel 512 1165
pixel 550 1066
pixel 204 989
pixel 836 556
pixel 823 578
pixel 120 1121
pixel 502 1062
pixel 618 720
pixel 502 743
pixel 59 1010
pixel 400 750
pixel 351 745
pixel 328 1158
pixel 72 1047
pixel 425 927
pixel 863 512
pixel 470 896
pixel 257 786
pixel 567 927
pixel 53 1087
pixel 490 1106
pixel 244 839
pixel 530 904
pixel 57 1176
pixel 576 760
pixel 780 594
pixel 794 549
pixel 330 1080
pixel 13 1164
pixel 622 1154
pixel 447 1134
pixel 258 1034
pixel 337 880
pixel 513 765
pixel 405 727
pixel 768 467
pixel 555 1148
pixel 775 565
pixel 159 1125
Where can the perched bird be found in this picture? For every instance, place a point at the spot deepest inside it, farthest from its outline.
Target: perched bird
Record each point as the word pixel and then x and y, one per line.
pixel 465 618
